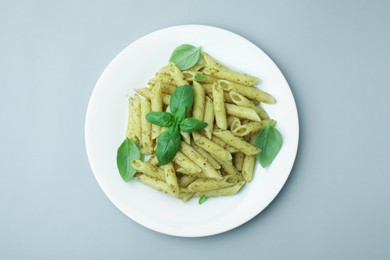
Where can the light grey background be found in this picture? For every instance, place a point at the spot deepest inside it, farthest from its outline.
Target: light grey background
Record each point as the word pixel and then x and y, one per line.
pixel 336 58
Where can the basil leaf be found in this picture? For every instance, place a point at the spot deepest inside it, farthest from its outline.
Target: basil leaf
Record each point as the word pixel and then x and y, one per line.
pixel 185 56
pixel 127 152
pixel 180 115
pixel 202 199
pixel 183 96
pixel 191 125
pixel 168 143
pixel 160 118
pixel 269 140
pixel 200 77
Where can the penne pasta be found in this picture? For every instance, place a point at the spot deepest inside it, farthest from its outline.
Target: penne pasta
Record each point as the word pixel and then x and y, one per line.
pixel 227 74
pixel 199 101
pixel 249 92
pixel 206 155
pixel 202 162
pixel 216 160
pixel 187 164
pixel 252 127
pixel 236 142
pixel 148 169
pixel 209 117
pixel 201 185
pixel 248 165
pixel 177 75
pixel 228 167
pixel 156 106
pixel 238 160
pixel 171 179
pixel 240 100
pixel 241 112
pixel 211 147
pixel 231 190
pixel 146 128
pixel 229 148
pixel 137 119
pixel 153 183
pixel 219 107
pixel 130 133
pixel 208 88
pixel 186 180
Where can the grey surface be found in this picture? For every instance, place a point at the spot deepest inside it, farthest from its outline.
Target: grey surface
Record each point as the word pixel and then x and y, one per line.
pixel 335 56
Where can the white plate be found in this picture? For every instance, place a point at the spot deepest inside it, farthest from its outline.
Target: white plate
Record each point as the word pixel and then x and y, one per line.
pixel 107 118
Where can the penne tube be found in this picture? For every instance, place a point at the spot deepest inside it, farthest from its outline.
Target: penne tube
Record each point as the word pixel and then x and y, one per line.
pixel 187 164
pixel 240 100
pixel 209 117
pixel 146 128
pixel 157 106
pixel 219 107
pixel 189 75
pixel 208 88
pixel 177 75
pixel 167 88
pixel 236 142
pixel 238 160
pixel 163 78
pixel 242 112
pixel 148 169
pixel 231 190
pixel 235 123
pixel 206 155
pixel 202 162
pixel 199 101
pixel 210 61
pixel 153 183
pixel 137 120
pixel 186 180
pixel 249 92
pixel 147 93
pixel 171 179
pixel 130 133
pixel 186 137
pixel 209 146
pixel 185 196
pixel 201 185
pixel 231 75
pixel 252 127
pixel 248 165
pixel 229 148
pixel 153 161
pixel 227 167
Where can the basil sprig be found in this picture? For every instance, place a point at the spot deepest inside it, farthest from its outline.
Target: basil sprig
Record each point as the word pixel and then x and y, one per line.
pixel 127 152
pixel 269 140
pixel 185 56
pixel 168 142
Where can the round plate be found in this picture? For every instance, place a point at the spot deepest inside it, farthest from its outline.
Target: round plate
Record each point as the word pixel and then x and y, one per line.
pixel 106 123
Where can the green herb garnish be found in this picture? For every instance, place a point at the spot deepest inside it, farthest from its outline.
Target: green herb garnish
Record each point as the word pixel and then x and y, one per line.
pixel 269 140
pixel 127 152
pixel 185 56
pixel 202 199
pixel 200 77
pixel 168 143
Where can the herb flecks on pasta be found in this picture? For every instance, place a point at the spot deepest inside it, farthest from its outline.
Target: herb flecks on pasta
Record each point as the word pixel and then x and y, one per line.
pixel 203 126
